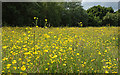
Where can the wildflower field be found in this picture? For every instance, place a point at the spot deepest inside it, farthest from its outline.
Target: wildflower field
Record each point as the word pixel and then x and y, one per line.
pixel 60 50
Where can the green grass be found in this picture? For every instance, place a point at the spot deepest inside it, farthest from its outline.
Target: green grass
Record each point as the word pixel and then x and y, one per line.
pixel 61 50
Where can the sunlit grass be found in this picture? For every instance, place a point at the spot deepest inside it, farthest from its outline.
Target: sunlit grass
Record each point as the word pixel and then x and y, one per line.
pixel 61 50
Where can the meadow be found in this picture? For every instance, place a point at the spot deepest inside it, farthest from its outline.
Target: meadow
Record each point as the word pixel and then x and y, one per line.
pixel 60 50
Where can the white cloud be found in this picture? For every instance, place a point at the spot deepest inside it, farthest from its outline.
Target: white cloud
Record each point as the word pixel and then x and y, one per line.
pixel 100 0
pixel 87 5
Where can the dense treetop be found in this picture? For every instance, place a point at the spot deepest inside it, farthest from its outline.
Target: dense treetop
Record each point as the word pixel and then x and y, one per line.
pixel 57 14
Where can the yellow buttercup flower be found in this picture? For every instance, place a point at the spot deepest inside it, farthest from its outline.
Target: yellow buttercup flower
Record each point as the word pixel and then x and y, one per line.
pixel 46 20
pixel 99 53
pixel 19 59
pixel 46 68
pixel 48 63
pixel 26 28
pixel 23 68
pixel 25 49
pixel 104 67
pixel 4 47
pixel 23 62
pixel 81 25
pixel 36 26
pixel 8 66
pixel 54 36
pixel 15 67
pixel 35 17
pixel 64 64
pixel 77 53
pixel 45 50
pixel 14 61
pixel 106 71
pixel 92 59
pixel 114 72
pixel 55 56
pixel 3 71
pixel 105 50
pixel 113 38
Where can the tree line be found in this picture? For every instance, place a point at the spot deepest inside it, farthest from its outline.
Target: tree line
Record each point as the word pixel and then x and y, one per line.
pixel 58 14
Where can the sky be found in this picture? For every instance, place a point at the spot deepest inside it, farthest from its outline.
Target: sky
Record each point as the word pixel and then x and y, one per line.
pixel 115 4
pixel 87 5
pixel 100 0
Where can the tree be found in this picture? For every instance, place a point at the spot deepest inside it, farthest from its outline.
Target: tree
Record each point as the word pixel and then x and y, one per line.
pixel 94 21
pixel 18 13
pixel 22 13
pixel 111 19
pixel 74 13
pixel 57 14
pixel 100 11
pixel 118 11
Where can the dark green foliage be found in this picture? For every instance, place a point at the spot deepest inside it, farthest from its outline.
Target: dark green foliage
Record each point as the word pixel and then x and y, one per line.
pixel 74 14
pixel 112 19
pixel 16 14
pixel 99 11
pixel 118 14
pixel 57 14
pixel 94 21
pixel 99 16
